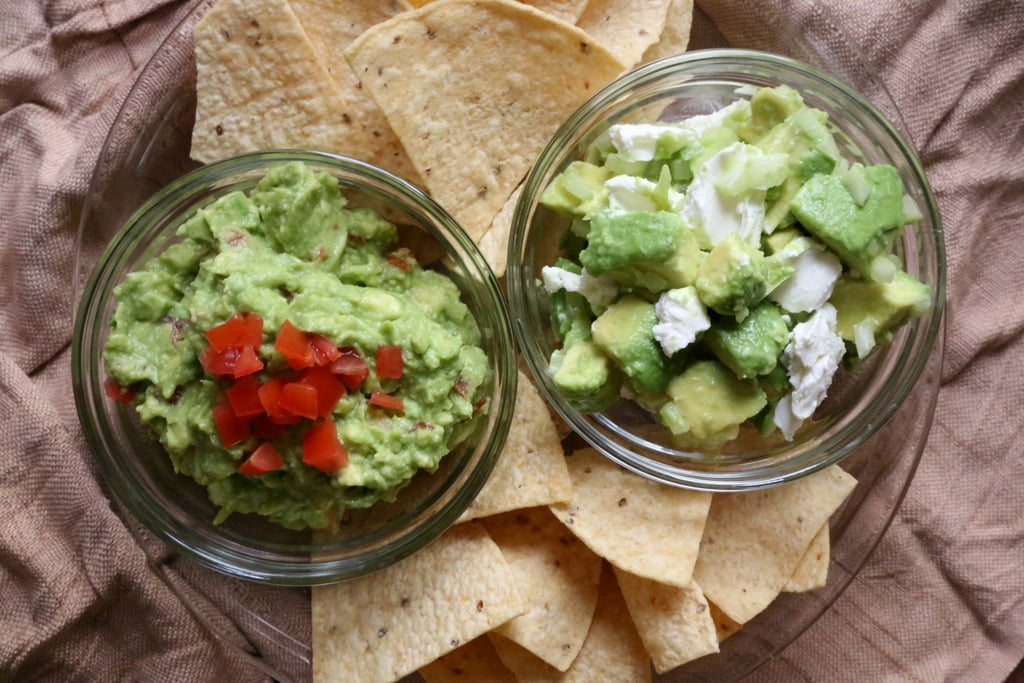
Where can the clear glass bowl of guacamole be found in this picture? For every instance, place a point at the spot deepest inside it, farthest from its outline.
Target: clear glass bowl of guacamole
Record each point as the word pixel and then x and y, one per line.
pixel 645 266
pixel 293 367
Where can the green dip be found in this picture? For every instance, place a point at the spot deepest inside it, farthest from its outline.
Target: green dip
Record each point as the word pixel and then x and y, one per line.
pixel 292 250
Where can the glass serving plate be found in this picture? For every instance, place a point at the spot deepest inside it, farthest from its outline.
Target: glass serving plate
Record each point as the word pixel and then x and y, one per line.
pixel 147 147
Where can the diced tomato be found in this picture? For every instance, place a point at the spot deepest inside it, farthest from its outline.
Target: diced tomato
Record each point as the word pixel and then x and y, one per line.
pixel 248 362
pixel 322 449
pixel 329 389
pixel 389 361
pixel 262 460
pixel 324 350
pixel 244 397
pixel 117 392
pixel 220 362
pixel 241 330
pixel 387 401
pixel 270 397
pixel 350 367
pixel 294 345
pixel 263 427
pixel 299 399
pixel 231 428
pixel 401 259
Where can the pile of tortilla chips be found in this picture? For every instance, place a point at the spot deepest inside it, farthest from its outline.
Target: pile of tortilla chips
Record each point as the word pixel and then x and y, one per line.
pixel 566 567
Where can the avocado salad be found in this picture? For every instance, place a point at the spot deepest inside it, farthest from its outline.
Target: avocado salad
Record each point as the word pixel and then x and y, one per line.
pixel 292 357
pixel 719 270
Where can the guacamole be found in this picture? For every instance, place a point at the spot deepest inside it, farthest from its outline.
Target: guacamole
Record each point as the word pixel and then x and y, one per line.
pixel 719 270
pixel 292 357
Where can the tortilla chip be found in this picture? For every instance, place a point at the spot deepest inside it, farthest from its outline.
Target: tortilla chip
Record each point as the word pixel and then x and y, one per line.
pixel 812 572
pixel 469 663
pixel 474 89
pixel 494 243
pixel 675 37
pixel 626 27
pixel 260 85
pixel 724 626
pixel 331 26
pixel 638 525
pixel 388 624
pixel 531 470
pixel 566 10
pixel 612 651
pixel 754 541
pixel 557 578
pixel 674 623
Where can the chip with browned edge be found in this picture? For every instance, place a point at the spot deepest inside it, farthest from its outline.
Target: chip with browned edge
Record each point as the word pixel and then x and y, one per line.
pixel 637 524
pixel 469 663
pixel 627 27
pixel 754 541
pixel 474 89
pixel 557 577
pixel 383 626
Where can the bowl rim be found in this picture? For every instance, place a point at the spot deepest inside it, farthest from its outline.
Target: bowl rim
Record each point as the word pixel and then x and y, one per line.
pixel 559 150
pixel 251 562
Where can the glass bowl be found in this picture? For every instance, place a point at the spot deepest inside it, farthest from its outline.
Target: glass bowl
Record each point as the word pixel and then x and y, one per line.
pixel 139 472
pixel 859 402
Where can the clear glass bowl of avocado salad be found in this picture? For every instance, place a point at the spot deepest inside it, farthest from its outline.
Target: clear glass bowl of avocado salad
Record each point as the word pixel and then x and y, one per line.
pixel 245 279
pixel 727 270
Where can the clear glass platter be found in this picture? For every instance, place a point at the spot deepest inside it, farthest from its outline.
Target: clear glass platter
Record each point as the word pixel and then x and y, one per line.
pixel 148 147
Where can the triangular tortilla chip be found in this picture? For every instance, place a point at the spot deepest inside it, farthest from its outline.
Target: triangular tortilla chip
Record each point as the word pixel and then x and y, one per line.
pixel 637 524
pixel 494 243
pixel 474 661
pixel 626 27
pixel 754 541
pixel 675 37
pixel 557 577
pixel 260 84
pixel 474 90
pixel 531 469
pixel 812 572
pixel 388 624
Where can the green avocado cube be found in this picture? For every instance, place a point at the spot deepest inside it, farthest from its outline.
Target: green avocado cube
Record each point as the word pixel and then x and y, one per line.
pixel 654 250
pixel 625 333
pixel 587 378
pixel 858 231
pixel 877 308
pixel 577 190
pixel 709 399
pixel 752 346
pixel 768 108
pixel 735 276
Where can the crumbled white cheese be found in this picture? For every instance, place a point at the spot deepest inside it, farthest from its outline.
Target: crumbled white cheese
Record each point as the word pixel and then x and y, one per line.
pixel 702 122
pixel 811 359
pixel 600 292
pixel 681 316
pixel 628 194
pixel 636 141
pixel 811 284
pixel 784 418
pixel 714 214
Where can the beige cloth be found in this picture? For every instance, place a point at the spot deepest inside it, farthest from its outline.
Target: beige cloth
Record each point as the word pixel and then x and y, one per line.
pixel 941 599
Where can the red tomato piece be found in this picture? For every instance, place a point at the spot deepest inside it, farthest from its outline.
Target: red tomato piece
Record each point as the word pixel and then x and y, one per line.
pixel 350 367
pixel 387 401
pixel 231 428
pixel 324 350
pixel 322 449
pixel 270 397
pixel 389 361
pixel 299 399
pixel 117 392
pixel 294 345
pixel 244 397
pixel 262 460
pixel 329 389
pixel 241 330
pixel 399 259
pixel 220 362
pixel 248 362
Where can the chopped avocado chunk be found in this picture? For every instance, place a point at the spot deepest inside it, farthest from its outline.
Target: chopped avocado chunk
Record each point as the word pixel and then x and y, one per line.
pixel 736 276
pixel 586 378
pixel 858 232
pixel 768 108
pixel 879 307
pixel 652 250
pixel 751 346
pixel 625 332
pixel 578 190
pixel 711 399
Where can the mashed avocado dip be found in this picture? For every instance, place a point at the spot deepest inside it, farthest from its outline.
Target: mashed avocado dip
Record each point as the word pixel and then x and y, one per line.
pixel 291 357
pixel 719 270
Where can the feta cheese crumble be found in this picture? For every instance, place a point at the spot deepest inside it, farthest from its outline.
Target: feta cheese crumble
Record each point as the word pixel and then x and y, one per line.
pixel 681 316
pixel 810 286
pixel 599 292
pixel 715 214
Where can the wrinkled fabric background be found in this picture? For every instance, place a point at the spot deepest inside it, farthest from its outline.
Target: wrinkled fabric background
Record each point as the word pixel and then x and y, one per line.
pixel 942 598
